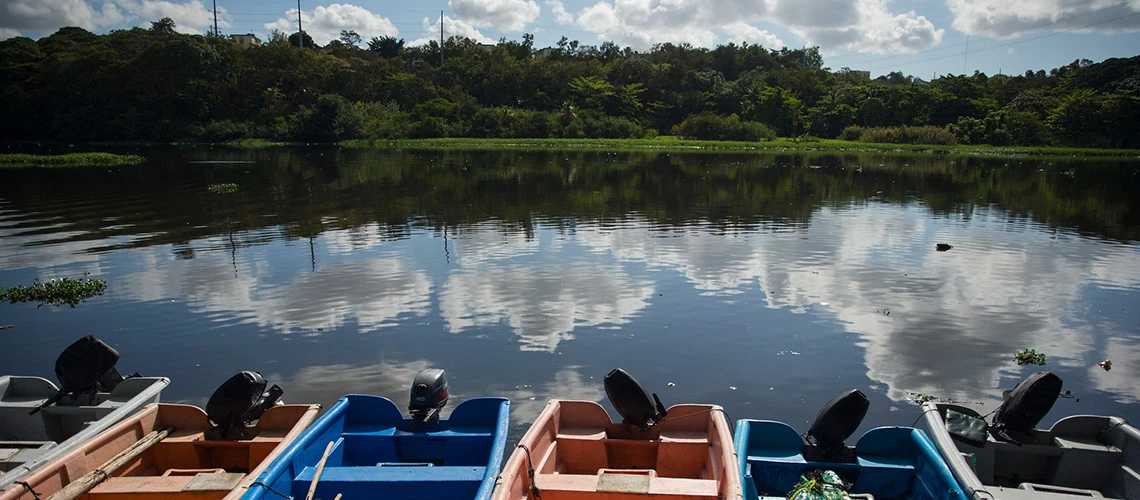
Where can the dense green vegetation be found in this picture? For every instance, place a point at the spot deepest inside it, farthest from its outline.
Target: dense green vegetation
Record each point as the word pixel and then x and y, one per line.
pixel 68 160
pixel 56 292
pixel 155 84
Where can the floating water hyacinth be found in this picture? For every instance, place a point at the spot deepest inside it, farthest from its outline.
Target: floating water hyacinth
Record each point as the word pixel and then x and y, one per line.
pixel 228 187
pixel 1029 357
pixel 56 292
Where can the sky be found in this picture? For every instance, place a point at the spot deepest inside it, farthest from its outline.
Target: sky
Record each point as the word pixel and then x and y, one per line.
pixel 923 38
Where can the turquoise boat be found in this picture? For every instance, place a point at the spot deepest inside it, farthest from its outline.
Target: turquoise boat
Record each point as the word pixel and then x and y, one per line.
pixel 365 448
pixel 886 462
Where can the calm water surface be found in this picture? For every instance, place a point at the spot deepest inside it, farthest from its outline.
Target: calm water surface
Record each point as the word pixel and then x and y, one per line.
pixel 763 283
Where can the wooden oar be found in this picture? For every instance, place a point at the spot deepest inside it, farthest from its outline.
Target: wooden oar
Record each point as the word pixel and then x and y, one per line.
pixel 320 468
pixel 77 488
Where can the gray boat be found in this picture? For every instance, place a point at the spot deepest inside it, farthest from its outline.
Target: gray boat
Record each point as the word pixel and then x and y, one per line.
pixel 1008 458
pixel 40 422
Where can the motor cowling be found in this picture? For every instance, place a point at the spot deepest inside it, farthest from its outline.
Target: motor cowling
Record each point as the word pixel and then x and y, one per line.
pixel 837 420
pixel 429 396
pixel 87 365
pixel 239 402
pixel 632 401
pixel 1029 402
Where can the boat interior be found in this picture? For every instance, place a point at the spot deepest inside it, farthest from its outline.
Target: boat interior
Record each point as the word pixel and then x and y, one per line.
pixel 885 463
pixel 187 462
pixel 1079 456
pixel 24 436
pixel 377 453
pixel 580 453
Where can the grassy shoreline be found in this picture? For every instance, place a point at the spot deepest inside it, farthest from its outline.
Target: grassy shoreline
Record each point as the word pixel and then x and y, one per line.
pixel 10 160
pixel 673 144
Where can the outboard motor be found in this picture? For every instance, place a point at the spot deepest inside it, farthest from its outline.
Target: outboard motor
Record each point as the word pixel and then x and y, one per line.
pixel 1028 403
pixel 239 402
pixel 836 421
pixel 429 396
pixel 631 400
pixel 88 365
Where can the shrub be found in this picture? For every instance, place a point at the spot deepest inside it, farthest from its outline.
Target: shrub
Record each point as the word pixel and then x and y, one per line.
pixel 712 127
pixel 900 135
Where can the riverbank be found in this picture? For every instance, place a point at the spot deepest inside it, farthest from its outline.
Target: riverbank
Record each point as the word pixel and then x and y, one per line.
pixel 671 143
pixel 68 160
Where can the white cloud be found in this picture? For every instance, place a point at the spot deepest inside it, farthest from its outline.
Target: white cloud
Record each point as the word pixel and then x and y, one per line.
pixel 501 15
pixel 1005 19
pixel 190 17
pixel 451 27
pixel 325 23
pixel 859 25
pixel 18 16
pixel 743 32
pixel 559 11
pixel 873 29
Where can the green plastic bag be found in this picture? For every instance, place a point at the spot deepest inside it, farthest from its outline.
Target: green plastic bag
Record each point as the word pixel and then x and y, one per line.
pixel 819 485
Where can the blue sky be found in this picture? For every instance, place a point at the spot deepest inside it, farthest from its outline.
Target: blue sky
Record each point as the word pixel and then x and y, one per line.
pixel 923 38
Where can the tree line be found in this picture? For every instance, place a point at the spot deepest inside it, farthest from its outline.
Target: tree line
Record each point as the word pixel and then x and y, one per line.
pixel 159 85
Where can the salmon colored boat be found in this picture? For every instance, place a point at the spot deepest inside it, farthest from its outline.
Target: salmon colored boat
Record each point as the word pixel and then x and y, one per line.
pixel 183 454
pixel 575 451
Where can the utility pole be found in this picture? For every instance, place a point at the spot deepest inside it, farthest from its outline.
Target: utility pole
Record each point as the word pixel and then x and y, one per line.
pixel 966 55
pixel 300 32
pixel 441 38
pixel 216 18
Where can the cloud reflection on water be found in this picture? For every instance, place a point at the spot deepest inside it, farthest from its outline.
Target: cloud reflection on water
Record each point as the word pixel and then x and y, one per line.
pixel 939 323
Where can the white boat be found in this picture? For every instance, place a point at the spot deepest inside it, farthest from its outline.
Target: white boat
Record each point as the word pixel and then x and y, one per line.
pixel 1081 456
pixel 40 422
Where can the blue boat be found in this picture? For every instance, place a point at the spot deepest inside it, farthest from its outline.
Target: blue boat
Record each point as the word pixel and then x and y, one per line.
pixel 377 453
pixel 885 463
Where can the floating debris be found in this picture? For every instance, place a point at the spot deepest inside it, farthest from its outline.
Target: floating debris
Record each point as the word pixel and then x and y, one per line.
pixel 1106 364
pixel 787 353
pixel 6 327
pixel 56 292
pixel 732 387
pixel 225 188
pixel 942 247
pixel 670 384
pixel 1029 357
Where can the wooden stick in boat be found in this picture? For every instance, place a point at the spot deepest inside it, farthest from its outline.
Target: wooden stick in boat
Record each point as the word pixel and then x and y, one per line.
pixel 79 487
pixel 338 495
pixel 320 468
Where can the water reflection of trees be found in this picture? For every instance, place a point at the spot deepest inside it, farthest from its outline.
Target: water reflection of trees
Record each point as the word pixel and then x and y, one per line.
pixel 296 193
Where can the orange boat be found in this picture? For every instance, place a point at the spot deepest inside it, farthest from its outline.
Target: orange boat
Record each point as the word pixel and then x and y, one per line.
pixel 188 462
pixel 575 451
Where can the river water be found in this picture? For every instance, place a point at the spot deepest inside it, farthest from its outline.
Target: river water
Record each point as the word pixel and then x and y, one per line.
pixel 764 283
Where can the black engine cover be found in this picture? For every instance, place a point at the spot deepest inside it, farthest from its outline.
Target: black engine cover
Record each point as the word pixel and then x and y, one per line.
pixel 838 419
pixel 631 400
pixel 1028 403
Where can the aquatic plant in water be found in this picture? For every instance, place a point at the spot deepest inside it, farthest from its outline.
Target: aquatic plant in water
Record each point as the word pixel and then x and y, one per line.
pixel 228 187
pixel 1029 357
pixel 56 292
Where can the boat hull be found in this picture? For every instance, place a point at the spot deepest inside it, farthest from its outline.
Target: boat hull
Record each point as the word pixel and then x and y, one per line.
pixel 578 452
pixel 186 464
pixel 886 462
pixel 27 442
pixel 1081 456
pixel 377 453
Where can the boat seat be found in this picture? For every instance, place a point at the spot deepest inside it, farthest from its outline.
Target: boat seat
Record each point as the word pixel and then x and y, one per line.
pixel 1049 488
pixel 409 482
pixel 171 482
pixel 886 462
pixel 625 483
pixel 1085 462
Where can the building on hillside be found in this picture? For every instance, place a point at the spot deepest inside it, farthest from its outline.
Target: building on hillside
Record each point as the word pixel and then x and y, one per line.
pixel 487 47
pixel 544 53
pixel 246 40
